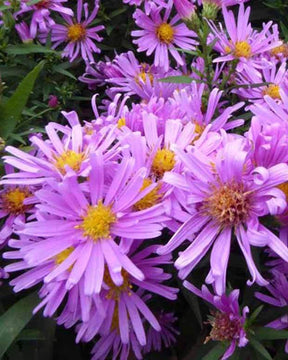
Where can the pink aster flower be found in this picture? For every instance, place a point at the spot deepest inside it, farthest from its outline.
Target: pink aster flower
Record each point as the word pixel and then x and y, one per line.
pixel 227 321
pixel 278 289
pixel 243 43
pixel 162 36
pixel 80 222
pixel 16 202
pixel 41 14
pixel 229 195
pixel 65 148
pixel 76 33
pixel 125 307
pixel 276 77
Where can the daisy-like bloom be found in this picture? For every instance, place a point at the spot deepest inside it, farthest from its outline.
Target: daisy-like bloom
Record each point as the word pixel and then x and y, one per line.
pixel 227 322
pixel 124 305
pixel 76 33
pixel 242 43
pixel 142 79
pixel 41 19
pixel 82 221
pixel 161 36
pixel 278 289
pixel 65 149
pixel 167 335
pixel 148 4
pixel 229 195
pixel 190 103
pixel 276 77
pixel 15 203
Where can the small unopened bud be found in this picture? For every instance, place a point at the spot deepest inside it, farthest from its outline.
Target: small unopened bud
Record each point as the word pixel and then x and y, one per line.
pixel 53 101
pixel 210 9
pixel 2 144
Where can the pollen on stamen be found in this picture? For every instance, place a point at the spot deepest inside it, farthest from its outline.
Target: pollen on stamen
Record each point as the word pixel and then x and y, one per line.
pixel 165 33
pixel 70 158
pixel 229 204
pixel 273 91
pixel 164 160
pixel 242 49
pixel 13 200
pixel 97 222
pixel 151 198
pixel 76 32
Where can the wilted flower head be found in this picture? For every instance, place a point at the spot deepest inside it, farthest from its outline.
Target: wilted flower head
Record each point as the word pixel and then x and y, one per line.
pixel 227 322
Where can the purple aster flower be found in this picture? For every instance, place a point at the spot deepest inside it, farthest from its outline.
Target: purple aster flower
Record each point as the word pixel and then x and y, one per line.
pixel 185 9
pixel 41 14
pixel 148 4
pixel 190 103
pixel 162 36
pixel 227 323
pixel 80 38
pixel 243 43
pixel 124 305
pixel 66 148
pixel 278 289
pixel 134 78
pixel 82 221
pixel 24 32
pixel 229 195
pixel 167 335
pixel 277 78
pixel 15 203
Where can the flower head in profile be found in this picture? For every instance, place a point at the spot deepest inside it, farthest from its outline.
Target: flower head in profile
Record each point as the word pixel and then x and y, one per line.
pixel 162 36
pixel 229 196
pixel 227 322
pixel 77 33
pixel 41 20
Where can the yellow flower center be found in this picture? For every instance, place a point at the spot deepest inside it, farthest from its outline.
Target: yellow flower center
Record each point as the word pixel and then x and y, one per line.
pixel 165 33
pixel 63 255
pixel 273 91
pixel 150 199
pixel 121 122
pixel 164 160
pixel 13 200
pixel 242 49
pixel 97 222
pixel 228 205
pixel 279 50
pixel 70 158
pixel 76 32
pixel 142 75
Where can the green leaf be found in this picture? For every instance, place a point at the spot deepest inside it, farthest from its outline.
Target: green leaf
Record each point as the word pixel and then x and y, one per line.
pixel 15 319
pixel 10 112
pixel 177 79
pixel 260 349
pixel 30 335
pixel 266 333
pixel 28 48
pixel 64 72
pixel 255 314
pixel 215 353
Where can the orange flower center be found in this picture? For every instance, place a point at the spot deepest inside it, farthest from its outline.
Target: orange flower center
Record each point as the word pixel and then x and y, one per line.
pixel 76 32
pixel 165 33
pixel 13 200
